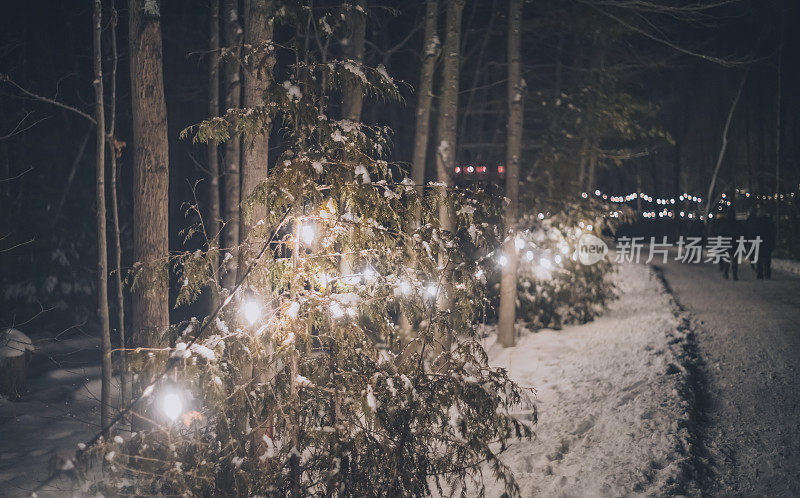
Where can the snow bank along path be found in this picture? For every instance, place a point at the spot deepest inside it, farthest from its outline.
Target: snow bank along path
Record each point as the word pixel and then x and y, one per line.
pixel 613 399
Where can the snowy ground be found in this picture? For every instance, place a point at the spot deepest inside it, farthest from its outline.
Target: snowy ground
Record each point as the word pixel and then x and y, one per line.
pixel 611 396
pixel 59 412
pixel 619 412
pixel 787 265
pixel 748 334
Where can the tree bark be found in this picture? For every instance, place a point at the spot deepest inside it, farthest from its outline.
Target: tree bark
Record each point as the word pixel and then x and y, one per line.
pixel 353 94
pixel 353 49
pixel 425 94
pixel 102 254
pixel 150 304
pixel 430 52
pixel 723 147
pixel 446 144
pixel 114 150
pixel 214 215
pixel 508 280
pixel 257 80
pixel 778 108
pixel 233 90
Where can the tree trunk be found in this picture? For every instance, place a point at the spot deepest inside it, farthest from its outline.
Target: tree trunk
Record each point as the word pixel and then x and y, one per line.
pixel 353 94
pixel 778 98
pixel 102 254
pixel 353 49
pixel 233 90
pixel 446 143
pixel 425 94
pixel 257 80
pixel 430 51
pixel 115 149
pixel 214 215
pixel 723 147
pixel 150 176
pixel 508 280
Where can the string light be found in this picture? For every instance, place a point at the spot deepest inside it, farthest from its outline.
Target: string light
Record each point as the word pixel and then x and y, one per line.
pixel 251 310
pixel 307 233
pixel 336 310
pixel 431 290
pixel 171 404
pixel 502 260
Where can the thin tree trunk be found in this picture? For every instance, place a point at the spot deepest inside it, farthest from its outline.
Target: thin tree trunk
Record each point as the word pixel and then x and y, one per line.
pixel 778 98
pixel 353 49
pixel 115 149
pixel 233 90
pixel 508 280
pixel 723 146
pixel 487 33
pixel 446 144
pixel 102 255
pixel 430 51
pixel 255 161
pixel 150 304
pixel 214 215
pixel 353 94
pixel 257 80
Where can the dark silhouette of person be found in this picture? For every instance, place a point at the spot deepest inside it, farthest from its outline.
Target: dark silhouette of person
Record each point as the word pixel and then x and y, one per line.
pixel 733 228
pixel 764 228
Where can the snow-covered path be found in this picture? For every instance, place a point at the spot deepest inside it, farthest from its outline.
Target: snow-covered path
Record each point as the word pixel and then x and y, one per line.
pixel 748 336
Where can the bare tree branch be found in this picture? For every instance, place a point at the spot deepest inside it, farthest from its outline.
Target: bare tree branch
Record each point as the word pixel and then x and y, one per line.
pixel 48 100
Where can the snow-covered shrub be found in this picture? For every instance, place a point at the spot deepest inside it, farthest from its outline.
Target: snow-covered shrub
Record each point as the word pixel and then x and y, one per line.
pixel 555 288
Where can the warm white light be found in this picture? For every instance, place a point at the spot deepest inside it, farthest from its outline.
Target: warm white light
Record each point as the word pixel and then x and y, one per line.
pixel 431 290
pixel 558 259
pixel 251 310
pixel 519 243
pixel 171 405
pixel 502 260
pixel 336 310
pixel 529 255
pixel 307 234
pixel 404 287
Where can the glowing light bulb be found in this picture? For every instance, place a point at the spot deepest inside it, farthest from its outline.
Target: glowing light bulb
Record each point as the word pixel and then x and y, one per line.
pixel 519 243
pixel 404 287
pixel 529 255
pixel 431 290
pixel 336 310
pixel 307 234
pixel 502 260
pixel 251 310
pixel 171 405
pixel 558 259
